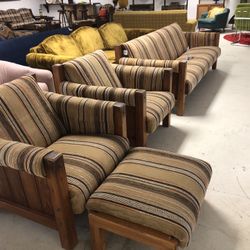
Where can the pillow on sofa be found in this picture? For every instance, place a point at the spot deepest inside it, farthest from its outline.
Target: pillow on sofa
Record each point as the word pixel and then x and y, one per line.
pixel 83 70
pixel 113 35
pixel 88 39
pixel 6 32
pixel 215 11
pixel 62 45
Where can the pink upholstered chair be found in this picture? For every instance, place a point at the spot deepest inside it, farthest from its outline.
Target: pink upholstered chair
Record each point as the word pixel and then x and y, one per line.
pixel 10 71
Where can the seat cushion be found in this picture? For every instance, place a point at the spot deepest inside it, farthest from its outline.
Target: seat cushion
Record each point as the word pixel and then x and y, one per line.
pixel 92 69
pixel 88 161
pixel 61 45
pixel 88 39
pixel 200 60
pixel 159 104
pixel 26 115
pixel 113 35
pixel 156 189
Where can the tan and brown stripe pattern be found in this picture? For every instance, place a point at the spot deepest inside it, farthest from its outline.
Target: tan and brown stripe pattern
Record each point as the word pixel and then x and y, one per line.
pixel 84 70
pixel 23 157
pixel 26 115
pixel 157 189
pixel 83 115
pixel 124 95
pixel 88 161
pixel 167 43
pixel 147 78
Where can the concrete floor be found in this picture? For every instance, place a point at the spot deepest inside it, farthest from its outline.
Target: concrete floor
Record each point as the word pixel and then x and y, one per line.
pixel 216 128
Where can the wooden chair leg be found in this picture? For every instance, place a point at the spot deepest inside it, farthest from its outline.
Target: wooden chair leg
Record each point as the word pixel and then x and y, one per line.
pixel 166 120
pixel 214 65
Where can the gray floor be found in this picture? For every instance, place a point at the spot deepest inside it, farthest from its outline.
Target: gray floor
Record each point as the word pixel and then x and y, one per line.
pixel 216 128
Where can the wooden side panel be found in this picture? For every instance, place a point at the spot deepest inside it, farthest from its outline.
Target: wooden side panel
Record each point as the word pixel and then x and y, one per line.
pixel 4 186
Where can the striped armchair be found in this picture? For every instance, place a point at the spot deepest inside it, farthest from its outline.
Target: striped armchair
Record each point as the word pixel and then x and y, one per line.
pixel 146 91
pixel 189 54
pixel 55 151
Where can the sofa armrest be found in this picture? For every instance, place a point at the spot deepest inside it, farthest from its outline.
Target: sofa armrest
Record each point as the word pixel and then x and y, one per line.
pixel 23 157
pixel 196 39
pixel 89 116
pixel 147 78
pixel 45 61
pixel 123 95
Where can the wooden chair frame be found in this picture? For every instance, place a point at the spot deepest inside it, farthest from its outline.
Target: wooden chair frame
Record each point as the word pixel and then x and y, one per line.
pixel 135 115
pixel 46 200
pixel 99 223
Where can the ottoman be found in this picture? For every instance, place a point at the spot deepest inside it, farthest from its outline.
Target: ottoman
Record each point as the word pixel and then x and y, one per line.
pixel 152 196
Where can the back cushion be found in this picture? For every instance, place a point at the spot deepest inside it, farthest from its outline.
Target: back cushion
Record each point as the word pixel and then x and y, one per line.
pixel 88 39
pixel 167 43
pixel 113 35
pixel 14 16
pixel 92 69
pixel 26 15
pixel 26 114
pixel 215 11
pixel 62 45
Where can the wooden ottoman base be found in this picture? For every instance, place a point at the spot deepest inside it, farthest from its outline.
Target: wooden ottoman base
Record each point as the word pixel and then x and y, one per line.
pixel 99 223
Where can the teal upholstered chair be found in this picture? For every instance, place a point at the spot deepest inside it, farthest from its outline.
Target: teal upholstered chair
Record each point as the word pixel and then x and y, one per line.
pixel 218 22
pixel 242 12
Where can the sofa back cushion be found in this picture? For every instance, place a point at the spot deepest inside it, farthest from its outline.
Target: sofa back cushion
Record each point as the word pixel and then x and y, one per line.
pixel 113 35
pixel 88 39
pixel 215 11
pixel 26 114
pixel 92 69
pixel 167 43
pixel 14 16
pixel 62 45
pixel 26 15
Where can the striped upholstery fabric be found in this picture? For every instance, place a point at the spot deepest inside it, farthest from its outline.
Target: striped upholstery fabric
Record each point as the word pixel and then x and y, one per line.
pixel 83 115
pixel 26 15
pixel 26 115
pixel 126 96
pixel 196 39
pixel 31 157
pixel 84 70
pixel 88 161
pixel 201 59
pixel 158 105
pixel 174 64
pixel 147 78
pixel 167 43
pixel 157 189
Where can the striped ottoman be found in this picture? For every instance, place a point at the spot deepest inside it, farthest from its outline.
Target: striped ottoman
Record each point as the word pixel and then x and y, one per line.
pixel 152 196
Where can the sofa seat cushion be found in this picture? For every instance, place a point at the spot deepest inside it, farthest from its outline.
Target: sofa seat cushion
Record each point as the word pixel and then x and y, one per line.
pixel 156 189
pixel 88 39
pixel 26 115
pixel 62 45
pixel 158 105
pixel 110 54
pixel 83 70
pixel 88 161
pixel 113 35
pixel 200 59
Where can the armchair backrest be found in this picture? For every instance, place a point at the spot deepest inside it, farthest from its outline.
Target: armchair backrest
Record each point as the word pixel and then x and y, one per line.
pixel 26 114
pixel 92 69
pixel 167 43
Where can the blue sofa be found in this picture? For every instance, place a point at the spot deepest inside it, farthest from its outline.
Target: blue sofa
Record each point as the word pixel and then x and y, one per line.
pixel 16 49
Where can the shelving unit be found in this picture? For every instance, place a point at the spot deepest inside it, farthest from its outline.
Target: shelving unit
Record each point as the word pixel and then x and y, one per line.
pixel 175 5
pixel 150 6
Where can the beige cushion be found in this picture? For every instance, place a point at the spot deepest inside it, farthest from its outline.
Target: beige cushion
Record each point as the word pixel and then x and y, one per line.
pixel 156 189
pixel 88 161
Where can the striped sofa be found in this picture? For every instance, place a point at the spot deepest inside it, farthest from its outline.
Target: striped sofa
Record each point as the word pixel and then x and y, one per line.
pixel 56 151
pixel 146 91
pixel 189 54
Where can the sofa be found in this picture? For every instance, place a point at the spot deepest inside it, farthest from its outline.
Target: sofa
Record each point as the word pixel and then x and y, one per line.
pixel 189 54
pixel 56 167
pixel 15 49
pixel 215 19
pixel 146 91
pixel 154 19
pixel 10 71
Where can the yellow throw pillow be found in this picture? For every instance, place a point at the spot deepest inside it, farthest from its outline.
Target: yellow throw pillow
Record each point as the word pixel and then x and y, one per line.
pixel 215 11
pixel 113 35
pixel 88 39
pixel 62 45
